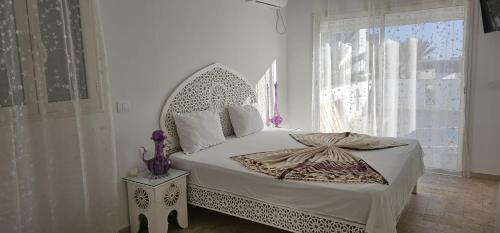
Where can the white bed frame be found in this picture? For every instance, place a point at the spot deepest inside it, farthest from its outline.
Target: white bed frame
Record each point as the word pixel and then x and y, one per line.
pixel 216 87
pixel 270 214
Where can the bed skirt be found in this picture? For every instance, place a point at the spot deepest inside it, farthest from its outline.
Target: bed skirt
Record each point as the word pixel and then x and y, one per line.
pixel 269 214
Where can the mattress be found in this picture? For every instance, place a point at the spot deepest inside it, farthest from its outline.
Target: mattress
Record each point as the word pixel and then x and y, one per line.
pixel 375 205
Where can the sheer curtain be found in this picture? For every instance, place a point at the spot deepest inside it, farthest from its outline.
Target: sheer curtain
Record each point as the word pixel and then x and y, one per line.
pixel 393 68
pixel 57 155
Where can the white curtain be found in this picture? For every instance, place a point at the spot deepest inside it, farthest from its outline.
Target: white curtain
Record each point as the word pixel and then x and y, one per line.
pixel 57 155
pixel 393 68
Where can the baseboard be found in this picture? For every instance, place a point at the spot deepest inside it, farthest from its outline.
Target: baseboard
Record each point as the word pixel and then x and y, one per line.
pixel 125 229
pixel 443 172
pixel 484 176
pixel 472 174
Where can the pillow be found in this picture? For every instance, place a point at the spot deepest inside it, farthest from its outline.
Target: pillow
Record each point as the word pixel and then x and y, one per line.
pixel 198 130
pixel 245 120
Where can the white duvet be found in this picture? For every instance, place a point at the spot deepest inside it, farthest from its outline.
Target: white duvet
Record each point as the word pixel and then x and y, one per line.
pixel 374 205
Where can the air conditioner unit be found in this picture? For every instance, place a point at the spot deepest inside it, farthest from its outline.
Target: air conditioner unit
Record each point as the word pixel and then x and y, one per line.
pixel 277 4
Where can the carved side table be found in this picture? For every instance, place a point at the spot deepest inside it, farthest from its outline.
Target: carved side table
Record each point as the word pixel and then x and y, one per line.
pixel 150 201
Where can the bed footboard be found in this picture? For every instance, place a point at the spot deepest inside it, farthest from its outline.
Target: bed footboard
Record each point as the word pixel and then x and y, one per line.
pixel 269 214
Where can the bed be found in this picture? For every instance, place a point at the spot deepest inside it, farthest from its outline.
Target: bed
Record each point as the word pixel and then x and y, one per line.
pixel 218 183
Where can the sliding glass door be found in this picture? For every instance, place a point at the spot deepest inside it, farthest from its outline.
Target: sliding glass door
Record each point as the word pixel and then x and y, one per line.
pixel 397 74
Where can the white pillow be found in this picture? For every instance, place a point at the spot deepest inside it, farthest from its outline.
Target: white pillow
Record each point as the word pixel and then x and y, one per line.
pixel 245 120
pixel 198 130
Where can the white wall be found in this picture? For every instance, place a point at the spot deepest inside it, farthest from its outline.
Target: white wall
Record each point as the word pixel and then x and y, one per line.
pixel 485 104
pixel 485 143
pixel 299 62
pixel 153 45
pixel 299 48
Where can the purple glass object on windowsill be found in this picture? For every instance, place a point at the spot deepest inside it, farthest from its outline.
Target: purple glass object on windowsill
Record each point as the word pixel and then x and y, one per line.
pixel 276 119
pixel 159 165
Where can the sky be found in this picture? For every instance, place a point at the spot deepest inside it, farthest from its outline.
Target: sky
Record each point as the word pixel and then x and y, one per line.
pixel 445 36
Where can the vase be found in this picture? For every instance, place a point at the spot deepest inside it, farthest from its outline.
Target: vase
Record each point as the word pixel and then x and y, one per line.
pixel 159 164
pixel 276 119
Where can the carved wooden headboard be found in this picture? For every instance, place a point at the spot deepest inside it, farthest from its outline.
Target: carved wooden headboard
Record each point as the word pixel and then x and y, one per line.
pixel 214 87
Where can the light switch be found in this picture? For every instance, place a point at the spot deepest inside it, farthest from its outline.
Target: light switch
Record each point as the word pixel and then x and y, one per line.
pixel 123 107
pixel 126 107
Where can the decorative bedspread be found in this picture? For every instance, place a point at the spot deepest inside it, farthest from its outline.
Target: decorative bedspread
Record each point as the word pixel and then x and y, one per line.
pixel 327 158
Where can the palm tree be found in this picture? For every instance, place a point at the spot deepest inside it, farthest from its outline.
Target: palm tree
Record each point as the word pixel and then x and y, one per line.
pixel 424 51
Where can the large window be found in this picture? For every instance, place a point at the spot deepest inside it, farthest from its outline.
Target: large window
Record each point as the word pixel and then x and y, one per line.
pixel 395 74
pixel 47 56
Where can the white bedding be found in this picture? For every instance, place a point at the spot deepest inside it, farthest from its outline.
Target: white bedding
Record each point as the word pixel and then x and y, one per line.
pixel 375 205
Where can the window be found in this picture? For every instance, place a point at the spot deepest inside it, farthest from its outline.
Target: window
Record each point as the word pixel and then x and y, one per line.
pixel 12 57
pixel 47 56
pixel 397 74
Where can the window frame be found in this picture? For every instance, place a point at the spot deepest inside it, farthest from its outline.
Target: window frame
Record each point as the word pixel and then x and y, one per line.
pixel 32 50
pixel 66 108
pixel 24 53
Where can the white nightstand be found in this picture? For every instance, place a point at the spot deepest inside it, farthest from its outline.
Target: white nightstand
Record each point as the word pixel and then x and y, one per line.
pixel 155 199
